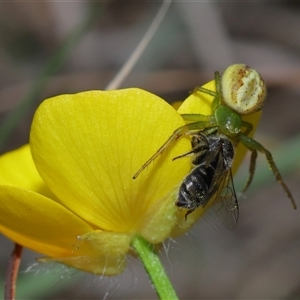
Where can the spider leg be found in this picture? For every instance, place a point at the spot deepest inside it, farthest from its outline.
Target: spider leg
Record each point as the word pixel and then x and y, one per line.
pixel 253 145
pixel 185 129
pixel 248 127
pixel 251 169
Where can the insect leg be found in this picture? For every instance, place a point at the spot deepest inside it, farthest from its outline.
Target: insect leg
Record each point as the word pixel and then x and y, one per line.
pixel 198 118
pixel 216 101
pixel 218 97
pixel 251 169
pixel 248 127
pixel 197 146
pixel 184 154
pixel 204 90
pixel 218 83
pixel 254 145
pixel 210 92
pixel 205 120
pixel 175 136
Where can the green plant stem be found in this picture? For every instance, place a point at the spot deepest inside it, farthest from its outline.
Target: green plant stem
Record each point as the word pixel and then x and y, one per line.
pixel 11 121
pixel 154 268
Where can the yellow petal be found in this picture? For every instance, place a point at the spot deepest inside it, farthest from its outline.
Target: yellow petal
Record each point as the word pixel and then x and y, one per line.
pixel 160 219
pixel 18 169
pixel 95 263
pixel 39 223
pixel 88 146
pixel 100 253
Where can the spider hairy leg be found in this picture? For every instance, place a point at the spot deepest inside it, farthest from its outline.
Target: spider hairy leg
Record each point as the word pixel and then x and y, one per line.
pixel 253 145
pixel 183 130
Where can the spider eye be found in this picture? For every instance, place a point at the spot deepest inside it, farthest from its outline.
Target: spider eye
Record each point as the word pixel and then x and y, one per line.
pixel 243 89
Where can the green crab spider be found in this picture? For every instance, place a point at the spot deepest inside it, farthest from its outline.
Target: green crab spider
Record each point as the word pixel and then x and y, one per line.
pixel 239 91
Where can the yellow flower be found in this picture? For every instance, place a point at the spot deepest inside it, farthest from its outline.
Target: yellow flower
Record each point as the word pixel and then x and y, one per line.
pixel 70 194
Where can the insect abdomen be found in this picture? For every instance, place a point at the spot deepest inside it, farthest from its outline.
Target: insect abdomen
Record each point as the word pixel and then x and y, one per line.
pixel 194 190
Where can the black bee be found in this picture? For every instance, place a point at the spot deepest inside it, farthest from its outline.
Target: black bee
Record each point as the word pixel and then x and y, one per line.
pixel 211 177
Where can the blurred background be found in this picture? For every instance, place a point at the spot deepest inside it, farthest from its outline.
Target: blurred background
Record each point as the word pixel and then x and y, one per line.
pixel 50 48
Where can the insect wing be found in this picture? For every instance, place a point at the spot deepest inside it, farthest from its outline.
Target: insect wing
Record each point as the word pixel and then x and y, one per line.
pixel 225 203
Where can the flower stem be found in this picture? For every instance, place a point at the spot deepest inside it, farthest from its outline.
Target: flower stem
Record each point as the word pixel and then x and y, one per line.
pixel 12 273
pixel 154 268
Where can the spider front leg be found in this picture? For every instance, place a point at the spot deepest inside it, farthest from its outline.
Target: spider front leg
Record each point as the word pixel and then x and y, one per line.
pixel 216 101
pixel 248 127
pixel 183 130
pixel 254 146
